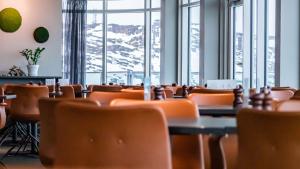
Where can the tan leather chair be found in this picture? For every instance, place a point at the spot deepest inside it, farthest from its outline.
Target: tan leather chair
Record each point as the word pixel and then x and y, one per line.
pixel 77 89
pixel 24 110
pixel 105 88
pixel 186 150
pixel 229 143
pixel 111 137
pixel 283 88
pixel 211 91
pixel 290 105
pixel 25 106
pixel 67 92
pixel 47 126
pixel 106 97
pixel 206 99
pixel 268 140
pixel 168 93
pixel 282 95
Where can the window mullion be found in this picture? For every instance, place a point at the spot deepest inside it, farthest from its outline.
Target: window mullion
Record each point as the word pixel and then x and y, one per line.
pixel 104 41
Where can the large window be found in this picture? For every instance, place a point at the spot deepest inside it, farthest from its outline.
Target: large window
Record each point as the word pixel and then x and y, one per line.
pixel 118 32
pixel 271 40
pixel 238 42
pixel 253 58
pixel 190 45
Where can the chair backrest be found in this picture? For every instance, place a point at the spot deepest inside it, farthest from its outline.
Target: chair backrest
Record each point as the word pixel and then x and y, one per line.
pixel 106 97
pixel 186 150
pixel 47 126
pixel 27 99
pixel 283 88
pixel 211 91
pixel 111 137
pixel 173 108
pixel 268 140
pixel 212 99
pixel 168 92
pixel 282 95
pixel 290 105
pixel 77 89
pixel 106 88
pixel 67 92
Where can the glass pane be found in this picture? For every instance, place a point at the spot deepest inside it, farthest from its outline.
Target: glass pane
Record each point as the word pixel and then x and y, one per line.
pixel 254 44
pixel 125 4
pixel 194 1
pixel 238 47
pixel 125 48
pixel 155 48
pixel 156 3
pixel 194 46
pixel 94 5
pixel 271 42
pixel 185 1
pixel 94 48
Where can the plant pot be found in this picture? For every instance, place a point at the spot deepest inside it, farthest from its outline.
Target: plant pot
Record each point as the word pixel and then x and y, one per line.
pixel 33 70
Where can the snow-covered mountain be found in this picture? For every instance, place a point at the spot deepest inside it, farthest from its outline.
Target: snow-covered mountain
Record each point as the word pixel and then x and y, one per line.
pixel 125 52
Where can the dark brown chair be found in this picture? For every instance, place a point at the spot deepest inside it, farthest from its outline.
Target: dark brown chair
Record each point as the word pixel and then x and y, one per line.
pixel 47 125
pixel 268 139
pixel 111 137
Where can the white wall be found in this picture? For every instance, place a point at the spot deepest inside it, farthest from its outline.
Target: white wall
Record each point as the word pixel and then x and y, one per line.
pixel 290 43
pixel 35 13
pixel 211 39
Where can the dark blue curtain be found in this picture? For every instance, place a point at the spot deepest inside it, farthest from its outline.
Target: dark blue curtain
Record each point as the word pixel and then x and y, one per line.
pixel 74 40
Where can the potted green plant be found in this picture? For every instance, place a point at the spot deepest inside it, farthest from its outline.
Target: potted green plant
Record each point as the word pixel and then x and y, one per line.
pixel 32 59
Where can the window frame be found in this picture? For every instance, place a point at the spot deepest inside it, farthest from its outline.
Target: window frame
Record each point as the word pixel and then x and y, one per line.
pixel 261 51
pixel 184 53
pixel 147 12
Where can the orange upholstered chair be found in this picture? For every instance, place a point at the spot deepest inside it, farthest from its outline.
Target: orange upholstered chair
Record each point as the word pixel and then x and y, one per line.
pixel 186 150
pixel 111 137
pixel 77 89
pixel 24 110
pixel 47 124
pixel 67 92
pixel 268 140
pixel 168 92
pixel 229 143
pixel 205 99
pixel 106 97
pixel 282 95
pixel 290 105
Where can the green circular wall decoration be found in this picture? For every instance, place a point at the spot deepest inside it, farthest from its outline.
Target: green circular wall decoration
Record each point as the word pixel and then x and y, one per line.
pixel 10 20
pixel 41 35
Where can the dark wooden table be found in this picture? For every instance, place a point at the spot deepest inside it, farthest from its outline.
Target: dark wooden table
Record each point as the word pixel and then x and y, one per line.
pixel 217 128
pixel 218 111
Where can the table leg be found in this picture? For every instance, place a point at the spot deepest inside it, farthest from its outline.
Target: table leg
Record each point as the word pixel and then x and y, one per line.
pixel 34 134
pixel 217 155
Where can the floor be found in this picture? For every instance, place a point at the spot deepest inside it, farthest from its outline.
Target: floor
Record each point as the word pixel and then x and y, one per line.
pixel 20 161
